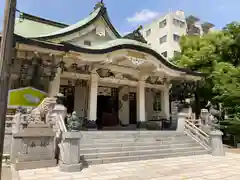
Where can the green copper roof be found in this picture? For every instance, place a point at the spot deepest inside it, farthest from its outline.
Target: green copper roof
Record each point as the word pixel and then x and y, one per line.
pixel 98 12
pixel 28 28
pixel 71 27
pixel 117 42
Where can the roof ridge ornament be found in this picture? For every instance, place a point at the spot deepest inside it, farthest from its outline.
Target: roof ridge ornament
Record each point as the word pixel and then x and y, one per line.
pixel 99 4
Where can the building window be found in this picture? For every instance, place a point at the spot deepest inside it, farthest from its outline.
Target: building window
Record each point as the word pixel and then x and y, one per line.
pixel 157 105
pixel 178 23
pixel 163 23
pixel 164 54
pixel 87 43
pixel 148 32
pixel 177 53
pixel 176 37
pixel 163 39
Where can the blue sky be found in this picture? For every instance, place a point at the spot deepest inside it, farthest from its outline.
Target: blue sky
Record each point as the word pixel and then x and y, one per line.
pixel 126 15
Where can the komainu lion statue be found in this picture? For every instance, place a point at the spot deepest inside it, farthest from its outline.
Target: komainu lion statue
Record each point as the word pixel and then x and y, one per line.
pixel 38 114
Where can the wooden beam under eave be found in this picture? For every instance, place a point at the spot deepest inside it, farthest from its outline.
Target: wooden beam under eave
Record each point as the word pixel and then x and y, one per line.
pixel 31 48
pixel 74 76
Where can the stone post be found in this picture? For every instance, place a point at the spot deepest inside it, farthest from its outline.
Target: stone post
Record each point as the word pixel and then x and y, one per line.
pixel 216 143
pixel 61 110
pixel 181 122
pixel 16 142
pixel 70 152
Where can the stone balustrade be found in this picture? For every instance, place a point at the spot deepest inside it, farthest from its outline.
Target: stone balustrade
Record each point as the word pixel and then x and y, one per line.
pixel 212 140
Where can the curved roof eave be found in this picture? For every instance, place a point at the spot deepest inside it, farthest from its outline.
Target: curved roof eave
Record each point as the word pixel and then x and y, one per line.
pixel 101 11
pixel 132 47
pixel 110 47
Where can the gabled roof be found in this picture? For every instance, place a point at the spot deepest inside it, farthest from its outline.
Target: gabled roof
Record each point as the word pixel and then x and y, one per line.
pixel 41 20
pixel 28 25
pixel 99 11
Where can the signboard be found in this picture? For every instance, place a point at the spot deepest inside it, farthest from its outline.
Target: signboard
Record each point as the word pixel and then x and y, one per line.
pixel 25 97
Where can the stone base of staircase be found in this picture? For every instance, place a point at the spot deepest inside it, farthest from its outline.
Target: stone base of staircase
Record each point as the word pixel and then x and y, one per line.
pixel 100 147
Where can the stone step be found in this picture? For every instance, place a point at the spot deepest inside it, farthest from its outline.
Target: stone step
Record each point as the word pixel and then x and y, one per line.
pixel 155 146
pixel 124 134
pixel 135 143
pixel 95 161
pixel 132 139
pixel 139 152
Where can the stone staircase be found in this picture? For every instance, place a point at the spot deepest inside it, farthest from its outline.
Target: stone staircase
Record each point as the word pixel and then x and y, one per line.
pixel 101 147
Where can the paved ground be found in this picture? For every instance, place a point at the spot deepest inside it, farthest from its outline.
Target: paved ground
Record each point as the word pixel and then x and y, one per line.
pixel 6 173
pixel 203 167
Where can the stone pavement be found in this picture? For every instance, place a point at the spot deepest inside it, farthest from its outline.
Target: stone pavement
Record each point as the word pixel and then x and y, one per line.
pixel 202 167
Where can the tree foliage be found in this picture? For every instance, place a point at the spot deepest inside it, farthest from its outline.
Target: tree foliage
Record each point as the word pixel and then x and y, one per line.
pixel 217 54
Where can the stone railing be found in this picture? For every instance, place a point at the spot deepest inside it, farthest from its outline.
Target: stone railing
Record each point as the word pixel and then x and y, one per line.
pixel 13 124
pixel 211 140
pixel 12 121
pixel 197 134
pixel 67 143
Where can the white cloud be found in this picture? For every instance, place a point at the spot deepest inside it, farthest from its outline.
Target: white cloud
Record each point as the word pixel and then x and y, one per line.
pixel 143 16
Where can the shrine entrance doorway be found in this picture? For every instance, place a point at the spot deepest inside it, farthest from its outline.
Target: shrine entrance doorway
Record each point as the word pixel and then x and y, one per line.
pixel 68 91
pixel 107 107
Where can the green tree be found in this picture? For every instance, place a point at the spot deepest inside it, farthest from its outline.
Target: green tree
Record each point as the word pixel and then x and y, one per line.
pixel 218 55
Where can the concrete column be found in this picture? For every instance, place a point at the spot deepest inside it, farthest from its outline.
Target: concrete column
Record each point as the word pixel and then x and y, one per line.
pixel 70 152
pixel 141 111
pixel 216 143
pixel 181 122
pixel 55 84
pixel 165 102
pixel 123 111
pixel 92 102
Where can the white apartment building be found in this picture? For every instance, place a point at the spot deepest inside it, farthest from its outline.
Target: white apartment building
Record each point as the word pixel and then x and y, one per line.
pixel 163 34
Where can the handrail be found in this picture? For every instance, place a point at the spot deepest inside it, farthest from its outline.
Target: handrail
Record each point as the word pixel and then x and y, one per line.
pixel 62 123
pixel 197 134
pixel 194 126
pixel 59 122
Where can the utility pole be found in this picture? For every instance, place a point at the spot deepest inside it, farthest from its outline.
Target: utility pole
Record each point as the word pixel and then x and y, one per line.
pixel 6 52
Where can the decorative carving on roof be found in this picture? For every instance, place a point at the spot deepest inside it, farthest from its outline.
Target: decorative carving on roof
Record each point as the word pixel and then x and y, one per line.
pixel 136 35
pixel 99 4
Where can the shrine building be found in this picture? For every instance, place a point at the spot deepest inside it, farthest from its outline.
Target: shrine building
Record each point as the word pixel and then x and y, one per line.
pixel 119 80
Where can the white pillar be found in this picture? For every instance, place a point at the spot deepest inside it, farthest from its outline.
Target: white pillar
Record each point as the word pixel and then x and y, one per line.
pixel 54 85
pixel 141 111
pixel 92 103
pixel 165 102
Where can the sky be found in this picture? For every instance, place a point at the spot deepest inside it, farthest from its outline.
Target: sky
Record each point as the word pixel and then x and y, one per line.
pixel 127 15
